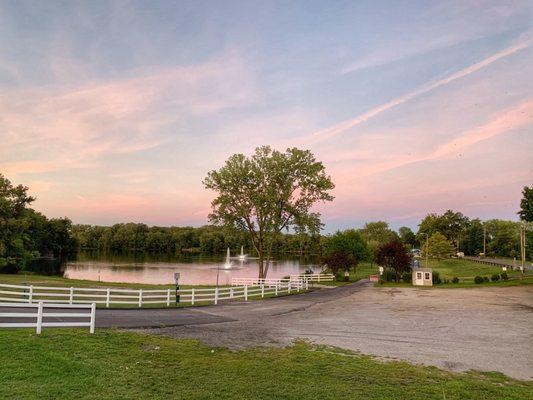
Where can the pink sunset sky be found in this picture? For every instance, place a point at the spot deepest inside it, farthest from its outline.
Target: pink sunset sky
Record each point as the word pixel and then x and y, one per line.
pixel 115 112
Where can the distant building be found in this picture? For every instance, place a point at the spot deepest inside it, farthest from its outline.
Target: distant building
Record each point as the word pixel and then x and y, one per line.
pixel 423 277
pixel 415 252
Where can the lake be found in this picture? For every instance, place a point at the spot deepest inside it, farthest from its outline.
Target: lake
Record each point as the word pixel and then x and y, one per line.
pixel 194 269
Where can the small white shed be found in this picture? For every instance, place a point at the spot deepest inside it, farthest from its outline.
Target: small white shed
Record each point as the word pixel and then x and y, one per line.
pixel 423 277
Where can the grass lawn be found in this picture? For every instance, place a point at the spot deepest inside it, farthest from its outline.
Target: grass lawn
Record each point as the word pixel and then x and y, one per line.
pixel 51 280
pixel 464 269
pixel 61 364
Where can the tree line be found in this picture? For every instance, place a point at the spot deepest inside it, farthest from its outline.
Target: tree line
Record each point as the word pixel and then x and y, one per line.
pixel 26 234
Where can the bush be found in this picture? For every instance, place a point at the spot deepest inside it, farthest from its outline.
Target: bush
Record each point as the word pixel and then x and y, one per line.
pixel 446 281
pixel 407 277
pixel 486 279
pixel 455 279
pixel 504 276
pixel 436 278
pixel 389 276
pixel 495 278
pixel 339 276
pixel 478 279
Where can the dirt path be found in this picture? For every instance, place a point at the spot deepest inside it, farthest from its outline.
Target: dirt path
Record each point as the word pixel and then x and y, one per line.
pixel 486 329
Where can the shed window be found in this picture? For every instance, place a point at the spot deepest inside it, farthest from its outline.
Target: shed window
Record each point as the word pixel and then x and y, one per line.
pixel 419 275
pixel 426 275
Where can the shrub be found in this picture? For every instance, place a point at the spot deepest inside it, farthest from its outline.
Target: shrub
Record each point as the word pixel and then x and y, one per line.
pixel 407 277
pixel 486 279
pixel 389 276
pixel 436 278
pixel 495 278
pixel 446 281
pixel 455 279
pixel 339 276
pixel 504 276
pixel 478 279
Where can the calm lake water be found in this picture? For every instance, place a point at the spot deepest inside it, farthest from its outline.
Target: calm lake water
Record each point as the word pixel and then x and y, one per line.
pixel 160 269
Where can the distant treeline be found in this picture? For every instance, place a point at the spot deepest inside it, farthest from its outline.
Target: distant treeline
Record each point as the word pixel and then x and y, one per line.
pixel 205 239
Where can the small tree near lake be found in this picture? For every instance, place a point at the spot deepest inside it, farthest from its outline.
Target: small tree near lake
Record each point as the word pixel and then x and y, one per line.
pixel 267 193
pixel 394 256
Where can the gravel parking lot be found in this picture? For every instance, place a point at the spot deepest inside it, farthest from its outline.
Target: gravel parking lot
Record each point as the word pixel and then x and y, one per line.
pixel 488 329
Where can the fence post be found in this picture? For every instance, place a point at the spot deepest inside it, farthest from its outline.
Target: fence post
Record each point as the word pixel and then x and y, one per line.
pixel 71 299
pixel 31 294
pixel 93 317
pixel 307 284
pixel 263 290
pixel 39 318
pixel 289 287
pixel 168 297
pixel 246 293
pixel 216 295
pixel 319 278
pixel 276 291
pixel 231 292
pixel 107 297
pixel 192 297
pixel 140 298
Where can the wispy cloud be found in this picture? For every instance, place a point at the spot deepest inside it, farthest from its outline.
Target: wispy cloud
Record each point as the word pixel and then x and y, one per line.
pixel 334 130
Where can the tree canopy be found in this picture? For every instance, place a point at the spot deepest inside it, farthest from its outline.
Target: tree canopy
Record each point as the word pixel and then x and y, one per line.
pixel 26 234
pixel 526 204
pixel 267 193
pixel 349 242
pixel 438 246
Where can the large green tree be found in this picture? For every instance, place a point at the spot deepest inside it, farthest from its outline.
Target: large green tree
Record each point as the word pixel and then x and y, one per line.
pixel 451 224
pixel 267 193
pixel 349 242
pixel 526 204
pixel 408 237
pixel 376 234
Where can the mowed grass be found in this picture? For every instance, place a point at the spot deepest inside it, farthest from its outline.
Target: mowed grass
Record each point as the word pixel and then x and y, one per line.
pixel 23 278
pixel 448 268
pixel 62 364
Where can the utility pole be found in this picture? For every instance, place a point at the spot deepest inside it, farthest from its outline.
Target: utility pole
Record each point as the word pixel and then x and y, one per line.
pixel 484 239
pixel 523 246
pixel 427 250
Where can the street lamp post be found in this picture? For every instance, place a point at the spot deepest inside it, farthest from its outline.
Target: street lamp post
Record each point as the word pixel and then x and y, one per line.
pixel 427 250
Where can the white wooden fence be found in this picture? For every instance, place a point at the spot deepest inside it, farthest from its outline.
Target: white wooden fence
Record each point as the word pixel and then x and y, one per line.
pixel 138 297
pixel 38 312
pixel 304 278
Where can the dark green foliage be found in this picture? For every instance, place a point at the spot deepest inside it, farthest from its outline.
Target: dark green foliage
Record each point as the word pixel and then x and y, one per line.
pixel 407 277
pixel 388 276
pixel 436 278
pixel 349 242
pixel 339 261
pixel 504 276
pixel 486 279
pixel 394 256
pixel 478 279
pixel 495 278
pixel 408 237
pixel 455 279
pixel 526 204
pixel 26 234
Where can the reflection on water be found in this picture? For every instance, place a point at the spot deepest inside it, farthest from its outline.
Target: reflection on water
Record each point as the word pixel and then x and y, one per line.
pixel 160 269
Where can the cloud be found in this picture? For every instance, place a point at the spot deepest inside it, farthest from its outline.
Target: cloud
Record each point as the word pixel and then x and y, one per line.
pixel 55 128
pixel 513 118
pixel 335 130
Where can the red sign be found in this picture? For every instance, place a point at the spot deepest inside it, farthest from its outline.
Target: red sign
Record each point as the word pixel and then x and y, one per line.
pixel 374 278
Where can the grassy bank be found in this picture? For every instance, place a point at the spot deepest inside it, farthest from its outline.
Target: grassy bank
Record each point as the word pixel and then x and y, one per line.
pixel 119 365
pixel 46 280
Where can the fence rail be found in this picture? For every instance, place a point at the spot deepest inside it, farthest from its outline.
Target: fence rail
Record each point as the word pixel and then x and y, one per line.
pixel 30 294
pixel 9 311
pixel 283 281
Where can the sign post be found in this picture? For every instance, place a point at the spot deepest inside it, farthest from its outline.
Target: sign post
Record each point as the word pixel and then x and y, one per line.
pixel 177 279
